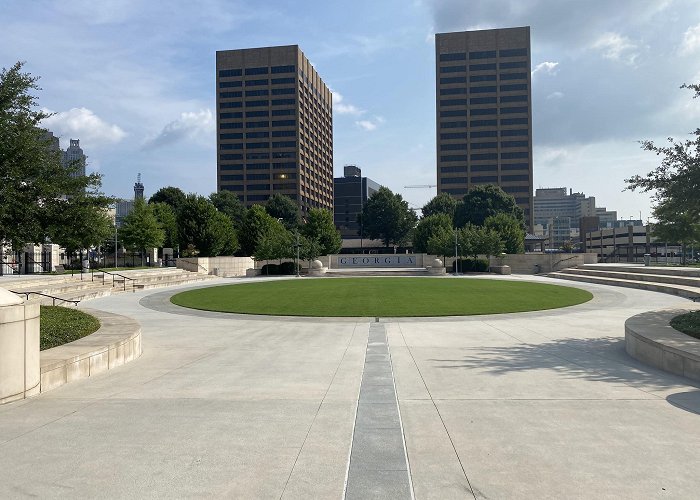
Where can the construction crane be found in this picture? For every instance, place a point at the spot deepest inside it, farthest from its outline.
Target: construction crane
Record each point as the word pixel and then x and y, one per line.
pixel 424 186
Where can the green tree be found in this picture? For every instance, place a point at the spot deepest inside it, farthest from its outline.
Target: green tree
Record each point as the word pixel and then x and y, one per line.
pixel 478 240
pixel 167 220
pixel 484 201
pixel 442 242
pixel 274 242
pixel 205 229
pixel 675 225
pixel 387 216
pixel 89 225
pixel 282 207
pixel 257 222
pixel 441 204
pixel 141 230
pixel 319 227
pixel 170 195
pixel 310 248
pixel 675 183
pixel 427 227
pixel 510 231
pixel 37 194
pixel 228 203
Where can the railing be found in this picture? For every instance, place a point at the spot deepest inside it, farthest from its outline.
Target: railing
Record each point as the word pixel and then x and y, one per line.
pixel 92 272
pixel 43 266
pixel 12 266
pixel 554 266
pixel 53 297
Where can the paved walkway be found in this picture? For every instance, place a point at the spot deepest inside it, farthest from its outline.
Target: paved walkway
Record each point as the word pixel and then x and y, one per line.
pixel 536 405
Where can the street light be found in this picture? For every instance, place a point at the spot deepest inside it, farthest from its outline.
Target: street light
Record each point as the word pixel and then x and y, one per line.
pixel 456 261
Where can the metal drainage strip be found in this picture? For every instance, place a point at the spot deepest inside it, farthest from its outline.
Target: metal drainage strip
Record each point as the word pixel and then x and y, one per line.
pixel 378 465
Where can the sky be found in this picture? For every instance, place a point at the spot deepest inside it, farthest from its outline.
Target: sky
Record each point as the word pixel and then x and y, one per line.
pixel 135 82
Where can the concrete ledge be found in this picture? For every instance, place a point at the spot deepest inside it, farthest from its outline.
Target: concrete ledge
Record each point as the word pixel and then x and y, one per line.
pixel 650 339
pixel 117 341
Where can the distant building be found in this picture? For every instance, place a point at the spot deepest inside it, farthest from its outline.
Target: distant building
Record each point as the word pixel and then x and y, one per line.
pixel 559 213
pixel 74 158
pixel 484 113
pixel 125 207
pixel 350 195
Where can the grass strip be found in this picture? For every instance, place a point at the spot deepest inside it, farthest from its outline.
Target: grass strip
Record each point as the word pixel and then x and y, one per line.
pixel 60 325
pixel 688 323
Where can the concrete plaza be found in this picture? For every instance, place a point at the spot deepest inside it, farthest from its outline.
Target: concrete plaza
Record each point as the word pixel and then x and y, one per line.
pixel 534 405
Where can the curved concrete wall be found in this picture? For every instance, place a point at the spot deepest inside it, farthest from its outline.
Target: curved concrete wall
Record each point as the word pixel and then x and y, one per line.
pixel 19 351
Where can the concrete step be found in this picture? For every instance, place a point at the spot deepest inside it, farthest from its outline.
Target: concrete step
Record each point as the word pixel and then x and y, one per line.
pixel 692 272
pixel 689 292
pixel 634 276
pixel 81 295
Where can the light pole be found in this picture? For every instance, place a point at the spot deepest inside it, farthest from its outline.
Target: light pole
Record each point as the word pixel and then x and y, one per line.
pixel 455 266
pixel 297 262
pixel 362 219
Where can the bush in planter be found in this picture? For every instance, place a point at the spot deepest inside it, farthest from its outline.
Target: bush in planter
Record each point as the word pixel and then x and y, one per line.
pixel 270 269
pixel 287 268
pixel 472 266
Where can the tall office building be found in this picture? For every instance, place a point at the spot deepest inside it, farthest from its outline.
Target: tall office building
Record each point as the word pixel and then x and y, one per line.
pixel 484 113
pixel 274 126
pixel 351 192
pixel 75 158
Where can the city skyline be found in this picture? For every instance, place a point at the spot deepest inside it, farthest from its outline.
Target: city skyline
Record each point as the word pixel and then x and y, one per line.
pixel 134 83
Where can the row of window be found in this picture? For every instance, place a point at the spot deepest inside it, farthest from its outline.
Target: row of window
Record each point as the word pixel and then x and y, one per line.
pixel 463 69
pixel 483 123
pixel 256 113
pixel 256 83
pixel 484 156
pixel 257 177
pixel 258 155
pixel 482 112
pixel 484 179
pixel 260 145
pixel 506 99
pixel 478 145
pixel 484 168
pixel 254 104
pixel 256 93
pixel 258 135
pixel 483 54
pixel 227 73
pixel 259 124
pixel 511 87
pixel 285 165
pixel 484 133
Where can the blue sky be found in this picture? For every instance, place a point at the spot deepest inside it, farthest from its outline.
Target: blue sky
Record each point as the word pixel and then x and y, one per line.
pixel 134 81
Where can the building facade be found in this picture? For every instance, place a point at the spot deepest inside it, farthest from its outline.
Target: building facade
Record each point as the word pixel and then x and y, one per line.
pixel 274 127
pixel 560 213
pixel 74 158
pixel 350 195
pixel 484 113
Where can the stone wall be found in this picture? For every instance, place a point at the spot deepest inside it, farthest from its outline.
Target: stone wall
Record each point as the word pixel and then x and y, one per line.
pixel 534 263
pixel 219 266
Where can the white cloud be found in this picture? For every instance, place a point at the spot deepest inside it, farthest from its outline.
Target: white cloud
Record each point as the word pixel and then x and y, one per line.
pixel 343 108
pixel 83 124
pixel 555 95
pixel 691 40
pixel 547 67
pixel 617 47
pixel 190 125
pixel 366 125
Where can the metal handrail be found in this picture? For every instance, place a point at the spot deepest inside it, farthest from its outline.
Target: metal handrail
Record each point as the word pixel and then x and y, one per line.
pixel 562 260
pixel 53 297
pixel 92 271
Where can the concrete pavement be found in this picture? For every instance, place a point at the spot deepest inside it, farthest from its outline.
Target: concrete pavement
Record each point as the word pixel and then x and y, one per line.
pixel 534 405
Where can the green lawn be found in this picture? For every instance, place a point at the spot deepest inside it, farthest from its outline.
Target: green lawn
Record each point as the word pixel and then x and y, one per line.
pixel 688 323
pixel 386 297
pixel 60 325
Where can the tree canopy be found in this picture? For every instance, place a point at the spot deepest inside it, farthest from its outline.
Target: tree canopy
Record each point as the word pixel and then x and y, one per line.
pixel 387 216
pixel 443 203
pixel 228 203
pixel 141 229
pixel 509 230
pixel 167 220
pixel 205 229
pixel 170 195
pixel 320 230
pixel 256 223
pixel 428 227
pixel 282 207
pixel 484 201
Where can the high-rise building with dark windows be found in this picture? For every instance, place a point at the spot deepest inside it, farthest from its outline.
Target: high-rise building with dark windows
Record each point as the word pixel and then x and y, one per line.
pixel 274 127
pixel 484 112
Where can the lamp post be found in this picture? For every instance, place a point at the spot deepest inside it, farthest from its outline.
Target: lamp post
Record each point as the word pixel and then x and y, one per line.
pixel 362 219
pixel 456 261
pixel 296 265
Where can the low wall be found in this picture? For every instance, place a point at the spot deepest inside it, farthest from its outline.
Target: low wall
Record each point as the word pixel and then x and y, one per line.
pixel 19 347
pixel 535 263
pixel 220 266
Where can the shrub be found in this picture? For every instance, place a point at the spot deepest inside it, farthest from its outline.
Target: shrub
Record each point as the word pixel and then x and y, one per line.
pixel 269 269
pixel 472 266
pixel 287 268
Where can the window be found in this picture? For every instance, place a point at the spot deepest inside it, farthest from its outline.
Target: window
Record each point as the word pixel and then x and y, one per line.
pixel 283 154
pixel 512 52
pixel 482 78
pixel 485 111
pixel 283 102
pixel 514 189
pixel 231 177
pixel 481 90
pixel 284 176
pixel 231 125
pixel 231 167
pixel 509 156
pixel 519 109
pixel 228 95
pixel 256 135
pixel 264 124
pixel 256 145
pixel 482 54
pixel 515 166
pixel 513 76
pixel 451 170
pixel 257 104
pixel 257 177
pixel 513 86
pixel 513 65
pixel 282 81
pixel 284 144
pixel 257 156
pixel 230 146
pixel 283 69
pixel 284 133
pixel 224 85
pixel 482 67
pixel 257 166
pixel 256 71
pixel 484 168
pixel 459 90
pixel 515 132
pixel 454 180
pixel 284 123
pixel 453 158
pixel 484 145
pixel 453 79
pixel 453 69
pixel 454 135
pixel 225 73
pixel 230 156
pixel 235 104
pixel 453 124
pixel 283 112
pixel 224 116
pixel 515 178
pixel 283 91
pixel 483 156
pixel 457 112
pixel 514 144
pixel 456 56
pixel 513 98
pixel 259 92
pixel 237 187
pixel 453 147
pixel 252 83
pixel 258 187
pixel 514 121
pixel 457 192
pixel 258 197
pixel 484 179
pixel 482 123
pixel 483 133
pixel 453 102
pixel 230 136
pixel 483 100
pixel 253 114
pixel 288 164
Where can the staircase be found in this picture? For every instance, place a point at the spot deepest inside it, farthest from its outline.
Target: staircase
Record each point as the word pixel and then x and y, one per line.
pixel 680 281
